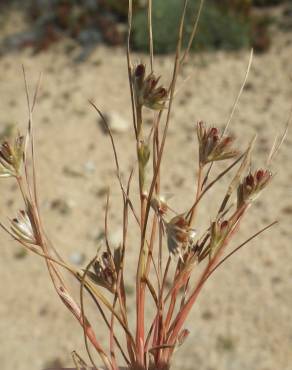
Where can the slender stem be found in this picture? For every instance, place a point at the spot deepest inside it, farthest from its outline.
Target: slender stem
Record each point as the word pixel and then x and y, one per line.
pixel 198 193
pixel 150 31
pixel 129 65
pixel 184 311
pixel 140 285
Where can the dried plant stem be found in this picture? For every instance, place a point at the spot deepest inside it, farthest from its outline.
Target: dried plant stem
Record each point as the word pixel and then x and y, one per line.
pixel 239 93
pixel 198 193
pixel 129 64
pixel 241 246
pixel 235 104
pixel 106 361
pixel 193 33
pixel 150 31
pixel 141 299
pixel 212 183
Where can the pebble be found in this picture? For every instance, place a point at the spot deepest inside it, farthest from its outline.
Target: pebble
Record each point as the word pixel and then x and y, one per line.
pixel 116 123
pixel 71 172
pixel 89 167
pixel 77 258
pixel 62 206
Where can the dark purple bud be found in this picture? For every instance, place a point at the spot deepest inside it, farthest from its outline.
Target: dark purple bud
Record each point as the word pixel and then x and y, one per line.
pixel 224 225
pixel 249 180
pixel 140 71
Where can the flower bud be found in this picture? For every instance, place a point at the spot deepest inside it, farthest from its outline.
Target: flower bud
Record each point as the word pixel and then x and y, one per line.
pixel 159 205
pixel 23 228
pixel 11 157
pixel 219 231
pixel 139 75
pixel 178 235
pixel 251 186
pixel 147 91
pixel 212 147
pixel 104 273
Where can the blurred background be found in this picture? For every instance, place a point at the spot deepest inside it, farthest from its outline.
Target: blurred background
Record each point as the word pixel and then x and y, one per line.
pixel 225 24
pixel 242 320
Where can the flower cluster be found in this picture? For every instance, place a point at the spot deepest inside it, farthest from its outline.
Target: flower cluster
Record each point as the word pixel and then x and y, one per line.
pixel 147 92
pixel 23 228
pixel 251 186
pixel 159 205
pixel 219 231
pixel 11 157
pixel 212 146
pixel 104 273
pixel 179 235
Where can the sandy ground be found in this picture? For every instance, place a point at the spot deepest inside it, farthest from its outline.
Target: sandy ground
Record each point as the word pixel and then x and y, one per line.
pixel 242 320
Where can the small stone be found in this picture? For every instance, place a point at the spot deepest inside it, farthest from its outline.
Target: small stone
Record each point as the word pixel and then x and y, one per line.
pixel 71 172
pixel 62 206
pixel 20 253
pixel 43 311
pixel 89 167
pixel 101 192
pixel 225 343
pixel 207 315
pixel 116 123
pixel 77 258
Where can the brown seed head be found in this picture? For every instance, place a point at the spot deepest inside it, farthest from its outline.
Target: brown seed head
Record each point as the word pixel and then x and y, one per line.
pixel 11 157
pixel 147 91
pixel 252 185
pixel 212 147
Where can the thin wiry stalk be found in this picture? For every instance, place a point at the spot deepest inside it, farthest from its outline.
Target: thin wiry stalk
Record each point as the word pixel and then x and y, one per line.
pixel 278 143
pixel 233 109
pixel 106 361
pixel 172 89
pixel 193 33
pixel 120 281
pixel 32 200
pixel 239 93
pixel 140 301
pixel 111 328
pixel 129 64
pixel 241 246
pixel 184 311
pixel 30 136
pixel 150 31
pixel 236 179
pixel 212 183
pixel 116 159
pixel 198 193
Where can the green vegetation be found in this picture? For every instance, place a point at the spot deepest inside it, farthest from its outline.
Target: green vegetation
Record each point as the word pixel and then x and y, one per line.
pixel 218 28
